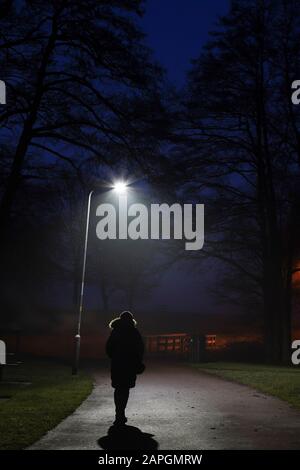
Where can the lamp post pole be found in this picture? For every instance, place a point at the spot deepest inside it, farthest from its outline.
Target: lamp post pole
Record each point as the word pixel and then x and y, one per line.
pixel 77 336
pixel 120 187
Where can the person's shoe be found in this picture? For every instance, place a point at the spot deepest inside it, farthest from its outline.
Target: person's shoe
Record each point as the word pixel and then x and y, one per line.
pixel 120 420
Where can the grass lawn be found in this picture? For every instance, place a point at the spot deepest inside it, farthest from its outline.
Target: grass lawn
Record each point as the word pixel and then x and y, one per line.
pixel 281 382
pixel 48 394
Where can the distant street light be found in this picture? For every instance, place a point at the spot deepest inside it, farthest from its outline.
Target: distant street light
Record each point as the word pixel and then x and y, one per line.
pixel 120 187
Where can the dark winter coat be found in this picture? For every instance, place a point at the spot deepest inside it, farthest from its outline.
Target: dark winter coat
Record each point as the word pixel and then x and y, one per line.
pixel 125 348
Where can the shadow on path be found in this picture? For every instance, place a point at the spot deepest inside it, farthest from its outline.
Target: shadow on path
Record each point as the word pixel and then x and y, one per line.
pixel 127 437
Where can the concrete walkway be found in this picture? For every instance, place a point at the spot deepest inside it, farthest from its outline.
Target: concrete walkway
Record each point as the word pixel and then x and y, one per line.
pixel 176 407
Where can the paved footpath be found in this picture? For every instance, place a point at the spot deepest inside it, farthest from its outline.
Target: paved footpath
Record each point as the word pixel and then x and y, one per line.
pixel 176 407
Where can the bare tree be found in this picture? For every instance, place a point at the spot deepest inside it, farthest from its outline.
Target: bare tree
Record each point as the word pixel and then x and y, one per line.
pixel 239 156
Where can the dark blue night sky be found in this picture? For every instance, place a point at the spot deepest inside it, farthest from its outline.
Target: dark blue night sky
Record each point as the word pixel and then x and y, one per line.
pixel 177 30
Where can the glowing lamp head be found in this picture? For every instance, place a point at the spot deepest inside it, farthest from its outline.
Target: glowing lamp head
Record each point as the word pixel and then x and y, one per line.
pixel 120 187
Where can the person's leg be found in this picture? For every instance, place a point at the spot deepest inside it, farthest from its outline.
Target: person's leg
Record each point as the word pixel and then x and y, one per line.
pixel 121 395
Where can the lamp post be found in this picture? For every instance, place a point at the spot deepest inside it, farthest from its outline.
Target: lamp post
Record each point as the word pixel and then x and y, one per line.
pixel 119 187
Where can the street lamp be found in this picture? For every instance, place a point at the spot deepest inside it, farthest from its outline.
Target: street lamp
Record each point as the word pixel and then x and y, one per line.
pixel 120 187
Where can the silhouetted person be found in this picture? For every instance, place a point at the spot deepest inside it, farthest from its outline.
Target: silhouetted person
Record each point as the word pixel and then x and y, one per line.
pixel 125 349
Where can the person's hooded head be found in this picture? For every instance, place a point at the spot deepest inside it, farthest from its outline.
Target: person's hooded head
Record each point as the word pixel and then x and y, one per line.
pixel 123 321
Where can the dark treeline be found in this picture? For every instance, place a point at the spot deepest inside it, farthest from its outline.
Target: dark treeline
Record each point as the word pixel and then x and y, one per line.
pixel 241 151
pixel 86 101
